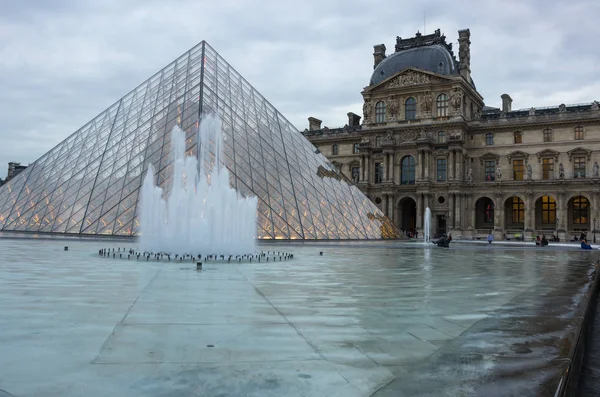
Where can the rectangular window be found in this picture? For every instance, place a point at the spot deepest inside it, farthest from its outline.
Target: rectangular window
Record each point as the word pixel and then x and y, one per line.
pixel 548 168
pixel 378 172
pixel 441 170
pixel 490 170
pixel 579 167
pixel 489 139
pixel 518 170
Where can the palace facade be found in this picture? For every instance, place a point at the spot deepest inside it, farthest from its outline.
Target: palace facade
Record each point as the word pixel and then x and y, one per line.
pixel 427 140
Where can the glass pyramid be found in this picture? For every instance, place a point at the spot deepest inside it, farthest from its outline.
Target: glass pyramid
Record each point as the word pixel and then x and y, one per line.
pixel 89 184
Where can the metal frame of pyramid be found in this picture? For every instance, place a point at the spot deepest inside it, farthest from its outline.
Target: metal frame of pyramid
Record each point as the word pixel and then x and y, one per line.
pixel 89 184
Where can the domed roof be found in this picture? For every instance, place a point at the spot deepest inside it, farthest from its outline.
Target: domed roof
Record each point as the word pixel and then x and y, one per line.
pixel 433 58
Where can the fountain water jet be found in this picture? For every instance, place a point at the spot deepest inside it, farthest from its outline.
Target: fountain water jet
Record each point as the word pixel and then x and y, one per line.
pixel 202 212
pixel 427 226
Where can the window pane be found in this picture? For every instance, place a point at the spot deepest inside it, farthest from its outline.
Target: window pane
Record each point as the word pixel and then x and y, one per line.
pixel 518 170
pixel 490 170
pixel 442 105
pixel 380 112
pixel 441 170
pixel 407 170
pixel 410 109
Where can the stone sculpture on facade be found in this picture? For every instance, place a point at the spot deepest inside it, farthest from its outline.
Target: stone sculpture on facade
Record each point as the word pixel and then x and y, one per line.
pixel 457 98
pixel 470 174
pixel 595 169
pixel 595 105
pixel 529 172
pixel 367 109
pixel 532 111
pixel 561 171
pixel 427 103
pixel 355 177
pixel 392 108
pixel 498 173
pixel 562 107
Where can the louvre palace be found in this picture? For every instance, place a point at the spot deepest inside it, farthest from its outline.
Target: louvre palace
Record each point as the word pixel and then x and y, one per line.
pixel 90 183
pixel 427 139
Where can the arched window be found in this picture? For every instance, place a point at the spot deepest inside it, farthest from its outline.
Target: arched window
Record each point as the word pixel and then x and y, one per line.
pixel 548 135
pixel 489 138
pixel 410 109
pixel 441 137
pixel 580 210
pixel 407 170
pixel 442 105
pixel 579 133
pixel 548 210
pixel 335 149
pixel 355 149
pixel 518 137
pixel 518 210
pixel 380 112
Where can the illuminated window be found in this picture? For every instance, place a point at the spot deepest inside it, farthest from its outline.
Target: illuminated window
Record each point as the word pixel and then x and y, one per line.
pixel 442 105
pixel 441 170
pixel 407 170
pixel 518 137
pixel 441 137
pixel 490 170
pixel 548 210
pixel 548 168
pixel 579 167
pixel 380 112
pixel 355 148
pixel 518 210
pixel 489 138
pixel 335 149
pixel 580 210
pixel 410 109
pixel 518 167
pixel 578 133
pixel 548 135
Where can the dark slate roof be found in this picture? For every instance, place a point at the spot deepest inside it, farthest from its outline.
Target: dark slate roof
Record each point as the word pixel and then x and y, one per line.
pixel 434 58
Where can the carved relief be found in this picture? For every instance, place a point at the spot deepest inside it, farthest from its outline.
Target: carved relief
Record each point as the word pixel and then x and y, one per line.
pixel 411 78
pixel 408 136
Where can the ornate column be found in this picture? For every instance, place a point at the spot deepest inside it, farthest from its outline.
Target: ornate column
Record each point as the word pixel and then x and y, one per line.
pixel 451 164
pixel 458 214
pixel 459 165
pixel 367 169
pixel 420 211
pixel 561 214
pixel 451 217
pixel 362 168
pixel 391 200
pixel 384 168
pixel 391 165
pixel 420 165
pixel 498 215
pixel 426 163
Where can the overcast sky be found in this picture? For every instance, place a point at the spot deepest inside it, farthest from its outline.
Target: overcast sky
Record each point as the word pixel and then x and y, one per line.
pixel 64 61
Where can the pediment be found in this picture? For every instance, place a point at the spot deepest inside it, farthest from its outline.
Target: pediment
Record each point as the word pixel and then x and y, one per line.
pixel 488 157
pixel 547 153
pixel 579 151
pixel 409 77
pixel 517 154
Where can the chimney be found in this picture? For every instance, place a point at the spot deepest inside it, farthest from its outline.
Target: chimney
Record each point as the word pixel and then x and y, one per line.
pixel 378 54
pixel 464 53
pixel 353 120
pixel 506 102
pixel 314 124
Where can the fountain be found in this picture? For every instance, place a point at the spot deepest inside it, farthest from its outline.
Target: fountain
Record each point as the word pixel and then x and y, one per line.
pixel 202 213
pixel 427 225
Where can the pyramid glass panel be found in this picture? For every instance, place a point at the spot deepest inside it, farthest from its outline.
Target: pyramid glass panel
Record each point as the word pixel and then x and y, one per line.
pixel 89 183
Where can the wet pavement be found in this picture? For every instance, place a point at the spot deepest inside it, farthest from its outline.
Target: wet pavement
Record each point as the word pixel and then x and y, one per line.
pixel 382 319
pixel 590 374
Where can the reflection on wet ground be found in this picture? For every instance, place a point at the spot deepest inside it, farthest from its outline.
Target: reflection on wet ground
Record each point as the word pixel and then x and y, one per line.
pixel 382 318
pixel 590 374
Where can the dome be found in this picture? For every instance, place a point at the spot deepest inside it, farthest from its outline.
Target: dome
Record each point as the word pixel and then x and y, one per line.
pixel 433 58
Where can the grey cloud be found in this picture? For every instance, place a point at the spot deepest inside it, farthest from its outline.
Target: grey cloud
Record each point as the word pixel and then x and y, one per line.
pixel 63 62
